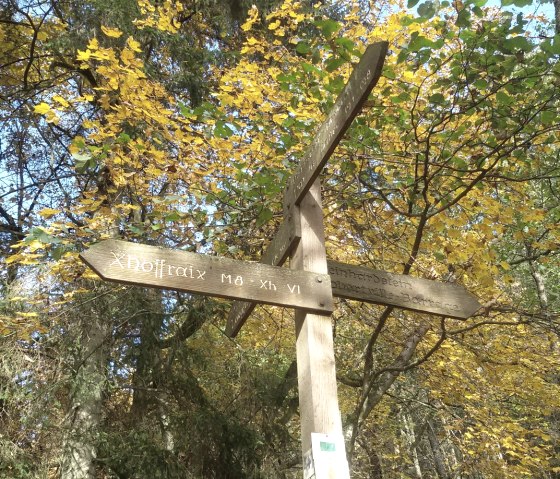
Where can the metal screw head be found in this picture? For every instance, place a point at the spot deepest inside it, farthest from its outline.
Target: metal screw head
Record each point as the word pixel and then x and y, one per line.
pixel 319 279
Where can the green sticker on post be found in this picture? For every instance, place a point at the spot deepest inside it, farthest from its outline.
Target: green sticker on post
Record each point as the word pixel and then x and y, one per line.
pixel 328 446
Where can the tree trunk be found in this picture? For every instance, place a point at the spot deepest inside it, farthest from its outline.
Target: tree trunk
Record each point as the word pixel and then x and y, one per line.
pixel 374 389
pixel 437 452
pixel 411 440
pixel 148 353
pixel 540 284
pixel 150 399
pixel 79 449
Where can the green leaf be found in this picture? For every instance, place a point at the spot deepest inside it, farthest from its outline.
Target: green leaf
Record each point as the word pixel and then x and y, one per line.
pixel 83 162
pixel 400 98
pixel 346 43
pixel 402 56
pixel 123 138
pixel 427 9
pixel 437 98
pixel 522 3
pixel 480 84
pixel 185 110
pixel 174 216
pixel 518 43
pixel 136 230
pixel 504 98
pixel 417 42
pixel 412 3
pixel 308 68
pixel 222 130
pixel 555 46
pixel 463 18
pixel 264 217
pixel 56 252
pixel 303 48
pixel 334 63
pixel 287 141
pixel 548 117
pixel 389 72
pixel 328 27
pixel 39 234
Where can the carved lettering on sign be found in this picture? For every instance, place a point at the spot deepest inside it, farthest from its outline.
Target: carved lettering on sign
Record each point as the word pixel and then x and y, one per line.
pixel 369 276
pixel 157 266
pixel 294 288
pixel 145 265
pixel 267 284
pixel 230 279
pixel 417 294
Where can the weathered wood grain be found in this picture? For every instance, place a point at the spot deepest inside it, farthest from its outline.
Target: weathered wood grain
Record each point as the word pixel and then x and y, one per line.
pixel 348 104
pixel 144 265
pixel 416 294
pixel 318 400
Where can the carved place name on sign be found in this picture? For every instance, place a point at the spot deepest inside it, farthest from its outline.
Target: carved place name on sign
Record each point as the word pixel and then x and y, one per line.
pixel 417 294
pixel 133 263
pixel 362 80
pixel 276 253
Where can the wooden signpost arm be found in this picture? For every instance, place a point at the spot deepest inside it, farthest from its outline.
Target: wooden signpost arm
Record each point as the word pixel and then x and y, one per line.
pixel 348 104
pixel 318 399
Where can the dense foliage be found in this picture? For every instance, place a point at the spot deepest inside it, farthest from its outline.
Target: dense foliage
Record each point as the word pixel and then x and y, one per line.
pixel 177 124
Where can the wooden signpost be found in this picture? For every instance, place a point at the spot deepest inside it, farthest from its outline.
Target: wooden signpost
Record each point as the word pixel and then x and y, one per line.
pixel 403 291
pixel 362 80
pixel 308 286
pixel 144 265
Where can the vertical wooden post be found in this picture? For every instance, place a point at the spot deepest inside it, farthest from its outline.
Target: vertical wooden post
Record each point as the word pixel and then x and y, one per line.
pixel 318 400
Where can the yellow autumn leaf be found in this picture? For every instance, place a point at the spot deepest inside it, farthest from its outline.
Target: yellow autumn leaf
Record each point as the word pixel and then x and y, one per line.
pixel 111 32
pixel 48 212
pixel 279 118
pixel 61 101
pixel 34 246
pixel 83 56
pixel 42 108
pixel 93 44
pixel 23 258
pixel 133 45
pixel 251 19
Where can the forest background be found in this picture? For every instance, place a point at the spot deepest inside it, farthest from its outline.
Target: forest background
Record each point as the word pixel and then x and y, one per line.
pixel 177 124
